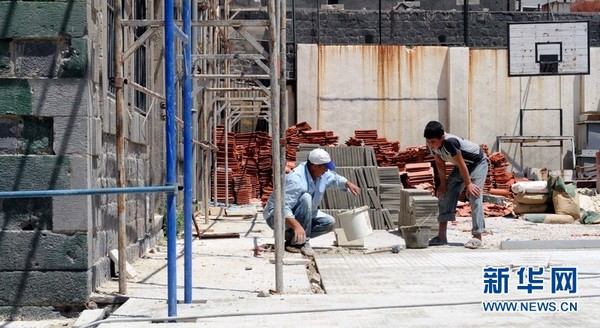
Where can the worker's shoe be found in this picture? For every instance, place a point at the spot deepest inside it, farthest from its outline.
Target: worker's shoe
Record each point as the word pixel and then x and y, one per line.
pixel 306 250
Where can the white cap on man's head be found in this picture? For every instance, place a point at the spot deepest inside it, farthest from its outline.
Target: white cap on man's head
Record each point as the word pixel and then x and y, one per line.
pixel 320 156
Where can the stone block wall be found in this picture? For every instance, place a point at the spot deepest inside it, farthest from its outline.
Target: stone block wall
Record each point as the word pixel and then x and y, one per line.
pixel 44 119
pixel 486 29
pixel 57 132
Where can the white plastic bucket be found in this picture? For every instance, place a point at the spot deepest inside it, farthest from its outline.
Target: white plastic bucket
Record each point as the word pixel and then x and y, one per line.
pixel 356 223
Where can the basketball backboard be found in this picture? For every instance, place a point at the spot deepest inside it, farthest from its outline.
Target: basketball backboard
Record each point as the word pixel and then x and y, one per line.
pixel 548 48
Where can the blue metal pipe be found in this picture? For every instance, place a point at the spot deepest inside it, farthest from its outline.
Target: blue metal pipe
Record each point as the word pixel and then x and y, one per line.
pixel 171 149
pixel 181 34
pixel 188 183
pixel 74 192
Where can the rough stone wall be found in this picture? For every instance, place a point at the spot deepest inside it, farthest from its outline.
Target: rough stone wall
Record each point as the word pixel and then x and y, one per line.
pixel 418 27
pixel 57 132
pixel 487 29
pixel 45 121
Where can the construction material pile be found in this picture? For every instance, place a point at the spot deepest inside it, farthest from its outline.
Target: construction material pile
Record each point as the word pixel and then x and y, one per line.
pixel 243 166
pixel 386 152
pixel 302 133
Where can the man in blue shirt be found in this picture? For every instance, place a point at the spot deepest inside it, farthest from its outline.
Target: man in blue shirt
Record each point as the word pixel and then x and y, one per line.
pixel 304 190
pixel 469 173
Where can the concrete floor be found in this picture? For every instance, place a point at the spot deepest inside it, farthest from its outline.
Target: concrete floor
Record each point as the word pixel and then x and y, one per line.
pixel 414 288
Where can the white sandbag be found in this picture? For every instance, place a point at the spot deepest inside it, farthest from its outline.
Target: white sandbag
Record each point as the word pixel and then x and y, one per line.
pixel 532 187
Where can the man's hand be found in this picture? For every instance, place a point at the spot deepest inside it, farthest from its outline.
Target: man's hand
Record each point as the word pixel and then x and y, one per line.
pixel 354 189
pixel 299 236
pixel 472 189
pixel 441 191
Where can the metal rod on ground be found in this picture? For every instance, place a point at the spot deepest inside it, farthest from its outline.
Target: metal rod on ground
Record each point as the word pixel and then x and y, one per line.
pixel 170 147
pixel 275 115
pixel 121 217
pixel 187 150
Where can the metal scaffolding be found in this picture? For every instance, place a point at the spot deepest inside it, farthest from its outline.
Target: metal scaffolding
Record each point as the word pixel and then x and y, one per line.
pixel 216 60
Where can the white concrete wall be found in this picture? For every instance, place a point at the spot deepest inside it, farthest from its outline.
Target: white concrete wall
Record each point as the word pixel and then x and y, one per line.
pixel 397 90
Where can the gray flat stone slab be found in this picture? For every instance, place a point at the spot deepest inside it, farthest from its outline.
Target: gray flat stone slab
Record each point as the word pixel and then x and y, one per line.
pixel 549 244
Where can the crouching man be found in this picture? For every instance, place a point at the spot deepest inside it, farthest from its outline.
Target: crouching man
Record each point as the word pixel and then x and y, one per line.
pixel 304 189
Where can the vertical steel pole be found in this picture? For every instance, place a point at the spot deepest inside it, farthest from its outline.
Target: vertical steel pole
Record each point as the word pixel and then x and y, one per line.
pixel 121 216
pixel 283 109
pixel 598 171
pixel 275 117
pixel 170 147
pixel 188 160
pixel 380 22
pixel 466 22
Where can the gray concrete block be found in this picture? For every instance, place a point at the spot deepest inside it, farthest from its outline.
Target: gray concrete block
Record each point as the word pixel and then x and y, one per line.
pixel 5 62
pixel 34 172
pixel 21 214
pixel 74 59
pixel 100 272
pixel 73 213
pixel 42 250
pixel 37 58
pixel 44 288
pixel 28 313
pixel 71 135
pixel 89 316
pixel 9 135
pixel 60 97
pixel 130 271
pixel 70 214
pixel 79 172
pixel 95 137
pixel 43 19
pixel 16 97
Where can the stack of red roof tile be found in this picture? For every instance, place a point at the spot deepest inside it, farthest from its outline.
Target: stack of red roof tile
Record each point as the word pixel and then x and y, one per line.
pixel 489 179
pixel 421 175
pixel 265 166
pixel 303 133
pixel 386 152
pixel 224 185
pixel 247 143
pixel 227 157
pixel 229 152
pixel 242 185
pixel 293 139
pixel 502 178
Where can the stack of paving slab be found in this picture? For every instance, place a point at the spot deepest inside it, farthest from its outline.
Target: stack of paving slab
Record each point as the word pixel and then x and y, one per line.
pixel 389 191
pixel 424 212
pixel 405 218
pixel 359 165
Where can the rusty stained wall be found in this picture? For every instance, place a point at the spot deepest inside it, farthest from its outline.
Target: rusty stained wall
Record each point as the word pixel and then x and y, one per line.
pixel 397 90
pixel 387 88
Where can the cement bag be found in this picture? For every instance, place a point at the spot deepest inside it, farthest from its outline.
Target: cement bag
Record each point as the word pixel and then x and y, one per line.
pixel 559 219
pixel 529 208
pixel 531 187
pixel 566 204
pixel 532 199
pixel 535 217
